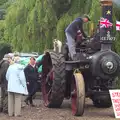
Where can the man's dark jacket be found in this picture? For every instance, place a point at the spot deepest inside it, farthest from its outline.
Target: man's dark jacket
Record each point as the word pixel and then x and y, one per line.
pixel 76 25
pixel 31 75
pixel 4 64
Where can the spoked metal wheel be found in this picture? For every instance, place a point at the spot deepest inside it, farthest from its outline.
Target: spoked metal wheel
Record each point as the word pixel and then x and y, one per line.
pixel 78 95
pixel 53 81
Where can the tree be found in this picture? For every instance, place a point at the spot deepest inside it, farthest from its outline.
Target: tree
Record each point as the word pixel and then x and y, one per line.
pixel 4 49
pixel 31 25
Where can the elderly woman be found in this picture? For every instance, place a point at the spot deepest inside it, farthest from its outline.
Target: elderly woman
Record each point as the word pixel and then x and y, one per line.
pixel 16 87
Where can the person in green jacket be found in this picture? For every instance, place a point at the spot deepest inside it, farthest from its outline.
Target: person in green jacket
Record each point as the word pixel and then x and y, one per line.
pixel 39 60
pixel 25 62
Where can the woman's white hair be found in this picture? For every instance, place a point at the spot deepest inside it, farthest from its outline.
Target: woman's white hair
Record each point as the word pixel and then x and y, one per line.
pixel 16 59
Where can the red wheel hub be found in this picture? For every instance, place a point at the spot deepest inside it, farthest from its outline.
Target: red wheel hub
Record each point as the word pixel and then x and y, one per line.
pixel 46 88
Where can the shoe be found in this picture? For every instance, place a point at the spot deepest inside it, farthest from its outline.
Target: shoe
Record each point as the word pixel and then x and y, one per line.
pixel 17 115
pixel 32 105
pixel 26 101
pixel 22 106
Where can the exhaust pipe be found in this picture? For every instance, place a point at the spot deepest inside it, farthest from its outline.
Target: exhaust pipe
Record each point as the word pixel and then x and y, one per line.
pixel 106 33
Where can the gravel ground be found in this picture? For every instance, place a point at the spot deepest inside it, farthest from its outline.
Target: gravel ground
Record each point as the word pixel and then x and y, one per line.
pixel 64 113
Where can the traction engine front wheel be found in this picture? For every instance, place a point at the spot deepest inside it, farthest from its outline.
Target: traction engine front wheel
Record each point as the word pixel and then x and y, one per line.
pixel 78 95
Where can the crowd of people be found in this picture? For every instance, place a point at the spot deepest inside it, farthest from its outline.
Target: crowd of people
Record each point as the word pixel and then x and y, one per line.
pixel 19 77
pixel 17 80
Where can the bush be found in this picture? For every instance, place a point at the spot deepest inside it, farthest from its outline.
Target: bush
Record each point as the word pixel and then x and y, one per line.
pixel 4 49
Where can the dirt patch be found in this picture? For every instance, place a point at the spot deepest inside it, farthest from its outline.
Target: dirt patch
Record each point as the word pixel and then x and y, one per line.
pixel 64 113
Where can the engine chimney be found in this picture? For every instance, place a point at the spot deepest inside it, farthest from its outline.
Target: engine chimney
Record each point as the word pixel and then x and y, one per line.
pixel 106 9
pixel 106 2
pixel 106 35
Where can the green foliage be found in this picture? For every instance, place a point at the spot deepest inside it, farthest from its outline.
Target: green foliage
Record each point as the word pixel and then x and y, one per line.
pixel 1 29
pixel 2 2
pixel 116 17
pixel 60 6
pixel 4 49
pixel 95 8
pixel 31 25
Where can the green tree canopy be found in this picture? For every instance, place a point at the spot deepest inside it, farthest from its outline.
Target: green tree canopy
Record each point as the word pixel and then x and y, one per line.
pixel 31 25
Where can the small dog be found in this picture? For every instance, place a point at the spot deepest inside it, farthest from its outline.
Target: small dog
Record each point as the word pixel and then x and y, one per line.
pixel 57 46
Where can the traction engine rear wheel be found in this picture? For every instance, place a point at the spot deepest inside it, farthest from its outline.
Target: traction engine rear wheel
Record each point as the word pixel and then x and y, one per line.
pixel 53 83
pixel 78 95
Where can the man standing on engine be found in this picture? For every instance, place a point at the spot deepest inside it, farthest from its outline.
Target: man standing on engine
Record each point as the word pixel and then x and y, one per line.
pixel 71 33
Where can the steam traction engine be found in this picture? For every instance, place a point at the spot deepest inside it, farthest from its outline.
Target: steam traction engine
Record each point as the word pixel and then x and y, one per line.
pixel 92 76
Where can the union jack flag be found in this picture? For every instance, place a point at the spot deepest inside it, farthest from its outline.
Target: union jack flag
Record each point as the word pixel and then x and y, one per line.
pixel 105 23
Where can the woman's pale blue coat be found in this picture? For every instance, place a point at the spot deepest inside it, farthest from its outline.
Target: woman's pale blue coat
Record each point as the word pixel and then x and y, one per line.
pixel 16 79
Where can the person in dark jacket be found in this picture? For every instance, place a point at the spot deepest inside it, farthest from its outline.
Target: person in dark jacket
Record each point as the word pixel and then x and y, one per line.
pixel 71 33
pixel 31 75
pixel 4 64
